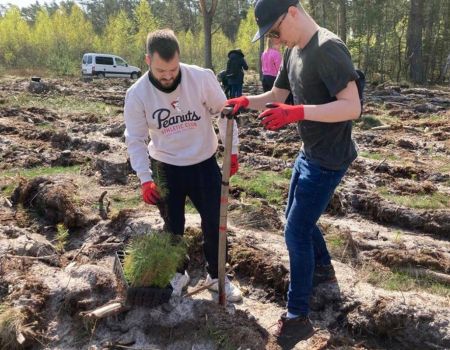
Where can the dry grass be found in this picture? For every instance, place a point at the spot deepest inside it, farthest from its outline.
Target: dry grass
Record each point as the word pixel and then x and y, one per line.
pixel 11 324
pixel 396 280
pixel 436 200
pixel 25 72
pixel 340 244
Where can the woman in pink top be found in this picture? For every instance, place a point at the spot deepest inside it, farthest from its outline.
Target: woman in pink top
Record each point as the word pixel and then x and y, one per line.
pixel 270 62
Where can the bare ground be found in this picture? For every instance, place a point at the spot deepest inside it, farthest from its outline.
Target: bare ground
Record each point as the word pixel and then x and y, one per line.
pixel 388 229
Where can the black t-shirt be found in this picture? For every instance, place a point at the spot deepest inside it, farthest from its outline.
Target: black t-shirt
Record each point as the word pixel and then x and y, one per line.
pixel 315 75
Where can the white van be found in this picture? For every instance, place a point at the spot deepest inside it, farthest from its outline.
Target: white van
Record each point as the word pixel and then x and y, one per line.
pixel 104 65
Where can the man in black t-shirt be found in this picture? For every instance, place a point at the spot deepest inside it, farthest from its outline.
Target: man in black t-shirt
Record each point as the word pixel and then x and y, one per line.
pixel 318 70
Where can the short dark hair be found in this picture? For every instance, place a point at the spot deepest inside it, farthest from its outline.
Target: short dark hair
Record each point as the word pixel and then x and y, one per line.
pixel 164 42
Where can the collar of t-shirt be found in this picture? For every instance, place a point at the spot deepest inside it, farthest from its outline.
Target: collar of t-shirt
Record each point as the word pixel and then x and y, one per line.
pixel 158 85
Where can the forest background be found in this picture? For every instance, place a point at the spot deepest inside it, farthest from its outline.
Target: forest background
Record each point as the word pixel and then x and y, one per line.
pixel 396 40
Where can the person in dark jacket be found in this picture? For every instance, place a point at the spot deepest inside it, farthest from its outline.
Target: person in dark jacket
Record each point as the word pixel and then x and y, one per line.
pixel 222 77
pixel 235 72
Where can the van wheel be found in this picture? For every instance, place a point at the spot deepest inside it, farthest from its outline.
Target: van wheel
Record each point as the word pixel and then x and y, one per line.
pixel 101 75
pixel 134 75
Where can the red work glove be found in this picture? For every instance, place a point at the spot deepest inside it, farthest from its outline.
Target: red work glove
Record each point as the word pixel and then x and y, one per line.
pixel 279 114
pixel 150 193
pixel 234 164
pixel 238 103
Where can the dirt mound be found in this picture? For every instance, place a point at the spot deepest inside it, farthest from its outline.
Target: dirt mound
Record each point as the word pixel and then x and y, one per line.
pixel 194 240
pixel 402 323
pixel 410 187
pixel 234 331
pixel 430 221
pixel 261 217
pixel 54 200
pixel 402 258
pixel 260 267
pixel 26 304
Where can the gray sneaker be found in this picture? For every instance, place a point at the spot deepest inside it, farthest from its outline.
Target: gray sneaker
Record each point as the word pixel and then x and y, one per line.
pixel 290 331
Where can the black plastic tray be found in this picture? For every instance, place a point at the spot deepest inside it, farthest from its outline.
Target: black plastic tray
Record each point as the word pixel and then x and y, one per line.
pixel 140 296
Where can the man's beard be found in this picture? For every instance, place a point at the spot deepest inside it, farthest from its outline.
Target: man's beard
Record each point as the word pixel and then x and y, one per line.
pixel 164 84
pixel 167 84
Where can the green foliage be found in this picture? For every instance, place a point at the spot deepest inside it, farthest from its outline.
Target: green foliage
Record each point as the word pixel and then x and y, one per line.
pixel 55 36
pixel 268 185
pixel 378 156
pixel 219 336
pixel 221 45
pixel 7 190
pixel 122 201
pixel 14 39
pixel 436 200
pixel 191 47
pixel 152 260
pixel 403 281
pixel 367 122
pixel 62 234
pixel 65 104
pixel 118 36
pixel 40 171
pixel 160 178
pixel 229 15
pixel 145 23
pixel 247 30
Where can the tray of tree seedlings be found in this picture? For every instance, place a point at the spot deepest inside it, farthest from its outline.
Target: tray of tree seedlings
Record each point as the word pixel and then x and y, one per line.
pixel 146 267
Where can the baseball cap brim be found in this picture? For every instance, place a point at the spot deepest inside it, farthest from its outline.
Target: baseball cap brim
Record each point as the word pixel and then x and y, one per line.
pixel 263 31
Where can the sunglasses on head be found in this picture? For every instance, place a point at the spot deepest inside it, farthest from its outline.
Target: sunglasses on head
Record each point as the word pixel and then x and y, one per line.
pixel 275 33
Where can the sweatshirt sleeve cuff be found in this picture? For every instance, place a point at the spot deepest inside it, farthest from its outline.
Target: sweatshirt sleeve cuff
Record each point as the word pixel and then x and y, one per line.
pixel 145 177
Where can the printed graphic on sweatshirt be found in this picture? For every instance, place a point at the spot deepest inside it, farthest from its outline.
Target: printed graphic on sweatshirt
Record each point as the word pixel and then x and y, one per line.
pixel 176 104
pixel 170 124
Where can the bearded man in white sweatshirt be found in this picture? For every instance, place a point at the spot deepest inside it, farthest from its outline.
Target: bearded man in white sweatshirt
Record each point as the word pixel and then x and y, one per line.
pixel 175 104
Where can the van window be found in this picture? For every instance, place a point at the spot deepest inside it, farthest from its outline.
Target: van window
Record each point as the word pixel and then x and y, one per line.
pixel 84 59
pixel 89 60
pixel 104 60
pixel 120 62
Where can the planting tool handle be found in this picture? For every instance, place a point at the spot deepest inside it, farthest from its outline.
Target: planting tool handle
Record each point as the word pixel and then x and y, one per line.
pixel 224 204
pixel 227 112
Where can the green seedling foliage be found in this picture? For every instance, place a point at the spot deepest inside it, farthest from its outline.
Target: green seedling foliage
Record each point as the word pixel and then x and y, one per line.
pixel 159 175
pixel 152 260
pixel 62 234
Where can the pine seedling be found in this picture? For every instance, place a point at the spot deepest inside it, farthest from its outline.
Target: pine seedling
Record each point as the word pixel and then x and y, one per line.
pixel 159 175
pixel 62 234
pixel 153 259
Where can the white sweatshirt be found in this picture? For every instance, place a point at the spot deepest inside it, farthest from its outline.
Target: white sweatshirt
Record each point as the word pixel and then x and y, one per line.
pixel 179 123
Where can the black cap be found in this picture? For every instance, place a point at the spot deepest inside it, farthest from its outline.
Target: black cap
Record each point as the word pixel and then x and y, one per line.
pixel 267 12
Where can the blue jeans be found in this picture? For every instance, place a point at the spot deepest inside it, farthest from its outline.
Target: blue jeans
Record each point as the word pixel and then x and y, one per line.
pixel 310 191
pixel 235 90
